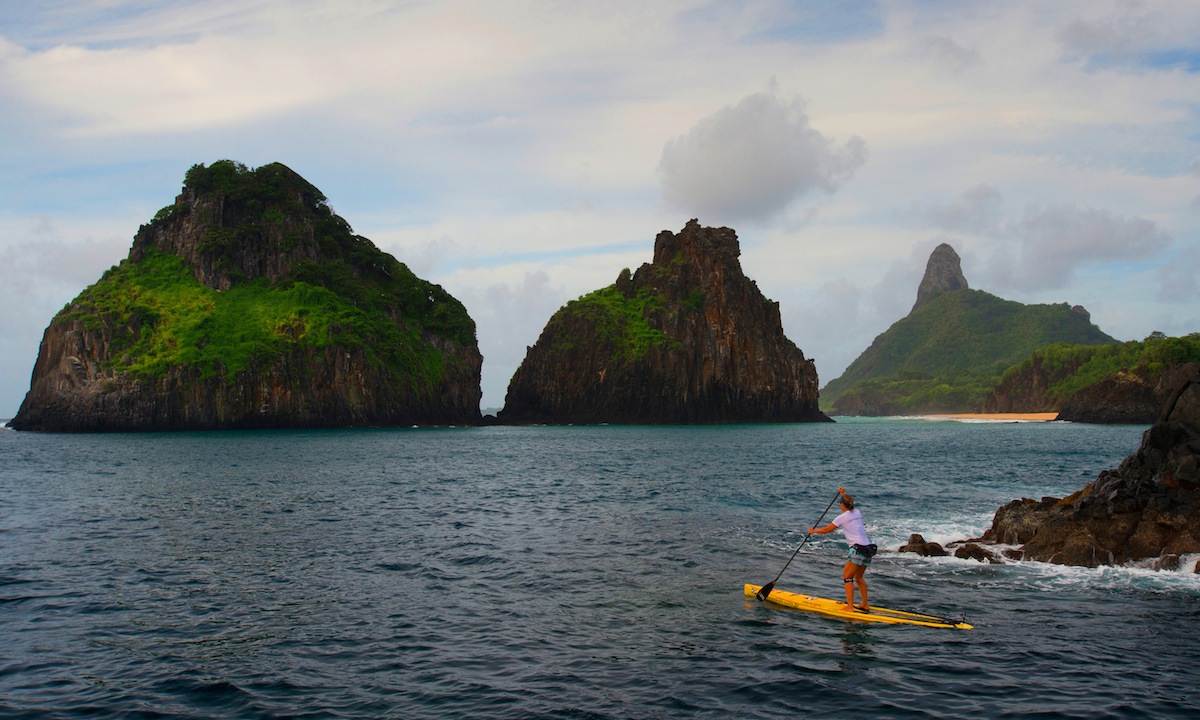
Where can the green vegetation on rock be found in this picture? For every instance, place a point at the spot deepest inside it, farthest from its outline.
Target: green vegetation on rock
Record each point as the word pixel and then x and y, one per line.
pixel 159 317
pixel 1092 363
pixel 949 352
pixel 620 322
pixel 156 315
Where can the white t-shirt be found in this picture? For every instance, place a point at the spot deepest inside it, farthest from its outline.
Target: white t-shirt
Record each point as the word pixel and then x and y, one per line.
pixel 851 524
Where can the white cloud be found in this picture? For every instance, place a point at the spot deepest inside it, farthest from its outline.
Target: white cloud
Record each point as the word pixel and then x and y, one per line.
pixel 509 317
pixel 751 160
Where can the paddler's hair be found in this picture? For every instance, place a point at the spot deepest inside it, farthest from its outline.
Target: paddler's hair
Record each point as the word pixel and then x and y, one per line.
pixel 848 501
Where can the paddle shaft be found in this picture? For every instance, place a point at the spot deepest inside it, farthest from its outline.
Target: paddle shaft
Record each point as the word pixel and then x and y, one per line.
pixel 766 589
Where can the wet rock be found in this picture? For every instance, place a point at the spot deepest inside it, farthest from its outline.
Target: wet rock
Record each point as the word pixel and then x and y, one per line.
pixel 917 544
pixel 972 551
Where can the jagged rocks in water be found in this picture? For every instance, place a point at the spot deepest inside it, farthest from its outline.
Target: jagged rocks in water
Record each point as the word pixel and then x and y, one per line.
pixel 972 551
pixel 1148 509
pixel 688 338
pixel 249 303
pixel 917 544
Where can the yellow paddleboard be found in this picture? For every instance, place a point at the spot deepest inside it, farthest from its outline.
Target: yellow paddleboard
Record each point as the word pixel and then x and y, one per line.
pixel 833 608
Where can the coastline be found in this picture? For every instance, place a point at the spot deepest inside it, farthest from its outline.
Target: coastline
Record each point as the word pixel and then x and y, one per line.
pixel 995 417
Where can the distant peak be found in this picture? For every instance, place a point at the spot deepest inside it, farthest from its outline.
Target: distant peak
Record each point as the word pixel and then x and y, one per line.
pixel 943 272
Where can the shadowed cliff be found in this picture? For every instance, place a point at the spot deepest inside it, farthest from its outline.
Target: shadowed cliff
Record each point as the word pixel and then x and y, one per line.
pixel 688 338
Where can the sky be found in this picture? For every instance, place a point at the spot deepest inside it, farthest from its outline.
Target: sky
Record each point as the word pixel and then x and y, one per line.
pixel 522 153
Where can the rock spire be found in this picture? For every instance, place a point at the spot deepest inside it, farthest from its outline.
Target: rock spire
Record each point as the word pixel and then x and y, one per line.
pixel 688 338
pixel 943 272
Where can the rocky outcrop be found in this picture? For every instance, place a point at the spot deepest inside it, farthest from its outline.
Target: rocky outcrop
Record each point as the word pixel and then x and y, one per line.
pixel 249 304
pixel 1119 398
pixel 1123 397
pixel 1148 509
pixel 1127 397
pixel 943 272
pixel 917 544
pixel 74 390
pixel 688 338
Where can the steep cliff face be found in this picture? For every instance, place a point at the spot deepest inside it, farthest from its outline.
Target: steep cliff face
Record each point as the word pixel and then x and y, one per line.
pixel 248 303
pixel 688 338
pixel 1029 388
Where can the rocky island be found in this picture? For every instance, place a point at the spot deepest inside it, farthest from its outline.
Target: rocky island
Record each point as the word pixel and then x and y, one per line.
pixel 688 338
pixel 952 348
pixel 249 304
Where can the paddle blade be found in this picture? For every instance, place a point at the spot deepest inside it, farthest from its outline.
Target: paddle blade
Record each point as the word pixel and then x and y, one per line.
pixel 765 590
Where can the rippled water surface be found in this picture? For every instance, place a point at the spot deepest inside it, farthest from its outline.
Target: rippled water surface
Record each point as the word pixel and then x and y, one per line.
pixel 560 572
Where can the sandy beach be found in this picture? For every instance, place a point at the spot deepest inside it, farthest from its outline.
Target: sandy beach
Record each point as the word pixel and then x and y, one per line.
pixel 998 417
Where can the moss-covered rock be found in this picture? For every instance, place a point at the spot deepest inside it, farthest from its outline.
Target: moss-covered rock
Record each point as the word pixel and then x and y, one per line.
pixel 249 303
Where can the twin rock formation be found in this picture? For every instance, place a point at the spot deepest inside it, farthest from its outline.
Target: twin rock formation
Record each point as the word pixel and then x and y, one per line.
pixel 248 303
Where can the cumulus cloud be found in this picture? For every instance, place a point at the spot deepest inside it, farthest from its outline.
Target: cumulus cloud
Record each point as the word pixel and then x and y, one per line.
pixel 751 160
pixel 1043 250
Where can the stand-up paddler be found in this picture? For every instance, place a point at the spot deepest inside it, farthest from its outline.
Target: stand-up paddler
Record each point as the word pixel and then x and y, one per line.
pixel 851 524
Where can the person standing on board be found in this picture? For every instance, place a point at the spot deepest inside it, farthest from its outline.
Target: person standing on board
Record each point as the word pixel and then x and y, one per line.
pixel 861 551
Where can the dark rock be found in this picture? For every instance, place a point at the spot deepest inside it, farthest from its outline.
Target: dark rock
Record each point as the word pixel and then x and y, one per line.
pixel 1146 509
pixel 1120 398
pixel 971 551
pixel 943 272
pixel 917 544
pixel 688 338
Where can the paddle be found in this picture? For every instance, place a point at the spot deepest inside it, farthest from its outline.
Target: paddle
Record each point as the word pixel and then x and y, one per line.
pixel 765 590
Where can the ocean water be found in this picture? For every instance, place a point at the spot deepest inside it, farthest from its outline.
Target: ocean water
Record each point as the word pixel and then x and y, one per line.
pixel 561 572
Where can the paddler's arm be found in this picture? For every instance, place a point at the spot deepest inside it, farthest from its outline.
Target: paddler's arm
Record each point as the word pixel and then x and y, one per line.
pixel 821 531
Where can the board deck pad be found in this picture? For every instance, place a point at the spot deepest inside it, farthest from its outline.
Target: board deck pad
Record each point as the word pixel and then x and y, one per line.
pixel 834 608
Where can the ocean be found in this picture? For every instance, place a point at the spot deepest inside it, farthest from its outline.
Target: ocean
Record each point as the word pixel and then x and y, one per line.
pixel 562 572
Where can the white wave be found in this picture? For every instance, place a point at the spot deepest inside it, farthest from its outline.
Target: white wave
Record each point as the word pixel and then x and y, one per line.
pixel 1050 577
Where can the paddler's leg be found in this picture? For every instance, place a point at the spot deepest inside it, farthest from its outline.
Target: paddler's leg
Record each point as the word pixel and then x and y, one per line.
pixel 848 573
pixel 860 577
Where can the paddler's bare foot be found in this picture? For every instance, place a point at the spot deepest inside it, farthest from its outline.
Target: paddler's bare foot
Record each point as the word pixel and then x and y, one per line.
pixel 849 608
pixel 865 608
